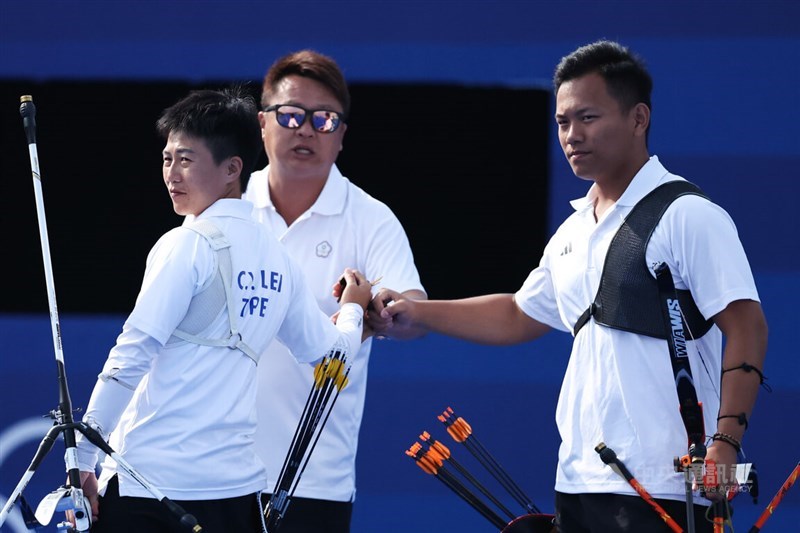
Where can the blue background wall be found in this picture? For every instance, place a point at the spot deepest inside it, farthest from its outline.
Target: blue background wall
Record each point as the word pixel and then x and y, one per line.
pixel 725 116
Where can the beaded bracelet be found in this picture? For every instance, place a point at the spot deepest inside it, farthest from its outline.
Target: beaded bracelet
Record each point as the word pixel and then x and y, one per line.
pixel 724 437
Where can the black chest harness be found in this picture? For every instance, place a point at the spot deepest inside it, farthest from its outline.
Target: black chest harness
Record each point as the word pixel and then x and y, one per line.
pixel 631 299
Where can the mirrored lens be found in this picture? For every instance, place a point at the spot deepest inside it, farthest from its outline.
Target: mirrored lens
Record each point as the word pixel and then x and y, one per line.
pixel 325 121
pixel 290 116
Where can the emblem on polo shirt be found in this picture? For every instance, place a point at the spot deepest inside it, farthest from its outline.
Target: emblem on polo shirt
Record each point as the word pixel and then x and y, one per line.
pixel 324 249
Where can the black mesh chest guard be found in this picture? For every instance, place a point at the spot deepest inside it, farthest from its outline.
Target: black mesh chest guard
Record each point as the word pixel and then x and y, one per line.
pixel 628 296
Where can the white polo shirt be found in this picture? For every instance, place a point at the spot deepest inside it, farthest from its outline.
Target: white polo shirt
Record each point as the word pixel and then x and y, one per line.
pixel 345 227
pixel 619 386
pixel 188 428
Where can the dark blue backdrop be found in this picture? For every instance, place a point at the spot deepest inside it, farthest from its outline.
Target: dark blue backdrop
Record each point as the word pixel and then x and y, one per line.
pixel 725 115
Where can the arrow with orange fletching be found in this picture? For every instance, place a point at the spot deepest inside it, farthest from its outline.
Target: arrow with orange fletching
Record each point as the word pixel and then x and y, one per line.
pixel 432 463
pixel 461 431
pixel 440 451
pixel 434 458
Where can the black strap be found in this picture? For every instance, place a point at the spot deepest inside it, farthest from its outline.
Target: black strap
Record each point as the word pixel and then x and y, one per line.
pixel 584 318
pixel 691 409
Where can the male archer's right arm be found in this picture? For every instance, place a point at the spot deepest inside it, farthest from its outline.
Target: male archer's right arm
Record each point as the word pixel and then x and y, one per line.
pixel 494 319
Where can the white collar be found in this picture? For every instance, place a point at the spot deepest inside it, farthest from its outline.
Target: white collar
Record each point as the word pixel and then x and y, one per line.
pixel 228 207
pixel 331 199
pixel 642 183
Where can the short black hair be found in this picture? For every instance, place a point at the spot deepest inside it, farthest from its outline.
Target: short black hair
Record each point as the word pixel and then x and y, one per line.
pixel 307 64
pixel 624 72
pixel 226 120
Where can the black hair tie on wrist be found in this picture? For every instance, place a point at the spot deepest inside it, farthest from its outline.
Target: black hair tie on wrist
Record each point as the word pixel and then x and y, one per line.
pixel 750 368
pixel 741 418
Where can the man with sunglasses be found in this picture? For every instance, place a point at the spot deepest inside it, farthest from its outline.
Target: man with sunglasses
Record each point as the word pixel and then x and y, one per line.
pixel 326 223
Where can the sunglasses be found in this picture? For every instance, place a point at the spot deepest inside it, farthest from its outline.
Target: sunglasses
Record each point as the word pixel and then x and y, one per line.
pixel 293 116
